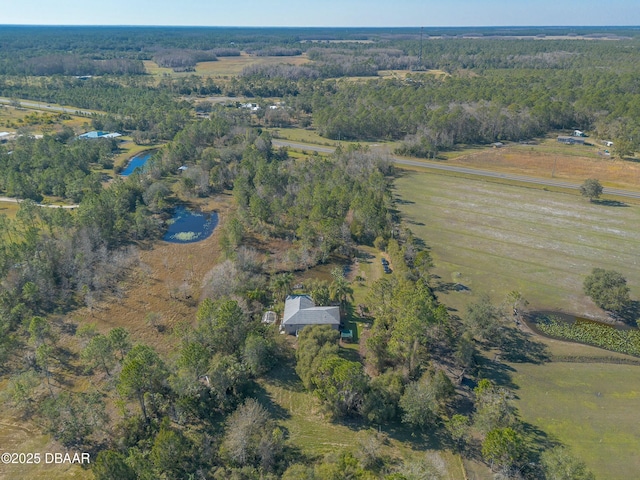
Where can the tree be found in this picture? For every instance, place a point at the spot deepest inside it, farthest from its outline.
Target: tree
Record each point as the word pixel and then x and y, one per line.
pixel 143 372
pixel 111 465
pixel 458 428
pixel 559 464
pixel 251 438
pixel 315 343
pixel 423 400
pixel 494 408
pixel 259 354
pixel 170 454
pixel 98 352
pixel 608 289
pixel 281 286
pixel 503 446
pixel 119 338
pixel 484 319
pixel 222 325
pixel 591 189
pixel 341 385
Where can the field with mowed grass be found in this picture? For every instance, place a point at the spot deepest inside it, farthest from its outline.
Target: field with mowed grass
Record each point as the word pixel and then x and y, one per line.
pixel 493 238
pixel 591 407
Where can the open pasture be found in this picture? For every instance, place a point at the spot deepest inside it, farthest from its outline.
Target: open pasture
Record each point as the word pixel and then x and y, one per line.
pixel 494 238
pixel 227 66
pixel 590 407
pixel 552 160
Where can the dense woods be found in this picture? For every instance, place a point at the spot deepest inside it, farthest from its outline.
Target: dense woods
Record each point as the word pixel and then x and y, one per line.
pixel 200 412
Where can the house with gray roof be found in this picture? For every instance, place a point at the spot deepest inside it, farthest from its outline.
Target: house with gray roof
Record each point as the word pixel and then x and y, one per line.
pixel 300 311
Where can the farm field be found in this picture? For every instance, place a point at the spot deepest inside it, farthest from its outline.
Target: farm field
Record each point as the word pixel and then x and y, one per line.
pixel 552 160
pixel 227 66
pixel 494 238
pixel 591 407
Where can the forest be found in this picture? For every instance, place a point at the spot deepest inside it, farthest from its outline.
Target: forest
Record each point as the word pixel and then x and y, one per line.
pixel 197 413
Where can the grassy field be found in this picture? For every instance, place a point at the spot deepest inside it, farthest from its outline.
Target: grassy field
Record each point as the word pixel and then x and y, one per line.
pixel 17 437
pixel 591 407
pixel 227 66
pixel 494 238
pixel 549 159
pixel 310 431
pixel 9 209
pixel 311 137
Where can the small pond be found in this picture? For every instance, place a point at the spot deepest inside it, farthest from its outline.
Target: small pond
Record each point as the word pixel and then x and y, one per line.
pixel 534 318
pixel 137 162
pixel 189 226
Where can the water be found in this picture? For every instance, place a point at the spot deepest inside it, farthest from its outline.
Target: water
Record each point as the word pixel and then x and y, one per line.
pixel 188 226
pixel 136 162
pixel 534 317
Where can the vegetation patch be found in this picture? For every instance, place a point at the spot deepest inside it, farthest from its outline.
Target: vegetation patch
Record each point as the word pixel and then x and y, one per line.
pixel 591 333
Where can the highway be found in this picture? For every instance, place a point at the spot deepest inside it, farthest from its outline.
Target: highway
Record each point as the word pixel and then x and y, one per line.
pixel 548 182
pixel 45 106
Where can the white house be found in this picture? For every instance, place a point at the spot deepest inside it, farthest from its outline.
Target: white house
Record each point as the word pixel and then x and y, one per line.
pixel 300 311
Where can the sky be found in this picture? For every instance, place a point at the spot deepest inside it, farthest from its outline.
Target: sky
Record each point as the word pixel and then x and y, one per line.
pixel 316 13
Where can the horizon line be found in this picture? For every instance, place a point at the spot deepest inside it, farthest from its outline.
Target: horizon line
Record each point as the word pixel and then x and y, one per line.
pixel 311 26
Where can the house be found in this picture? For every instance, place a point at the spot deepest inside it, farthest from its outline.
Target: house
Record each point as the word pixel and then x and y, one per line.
pixel 98 134
pixel 300 311
pixel 571 140
pixel 578 133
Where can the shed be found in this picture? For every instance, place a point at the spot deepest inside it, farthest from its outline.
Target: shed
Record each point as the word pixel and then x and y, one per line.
pixel 269 317
pixel 300 311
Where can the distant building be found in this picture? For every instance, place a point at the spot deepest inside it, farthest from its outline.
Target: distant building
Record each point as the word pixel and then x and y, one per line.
pixel 571 140
pixel 608 143
pixel 578 133
pixel 254 107
pixel 300 311
pixel 497 145
pixel 98 134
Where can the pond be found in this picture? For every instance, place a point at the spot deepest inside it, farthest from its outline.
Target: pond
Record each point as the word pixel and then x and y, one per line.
pixel 534 318
pixel 137 162
pixel 189 226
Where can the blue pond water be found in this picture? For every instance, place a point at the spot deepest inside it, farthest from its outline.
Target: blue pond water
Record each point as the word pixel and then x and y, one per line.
pixel 136 162
pixel 188 226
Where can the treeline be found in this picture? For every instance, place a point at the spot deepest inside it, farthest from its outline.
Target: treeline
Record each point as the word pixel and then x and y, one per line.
pixel 499 105
pixel 132 103
pixel 322 206
pixel 75 65
pixel 57 165
pixel 184 60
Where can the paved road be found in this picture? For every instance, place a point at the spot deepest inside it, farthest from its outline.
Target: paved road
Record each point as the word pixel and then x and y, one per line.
pixel 469 171
pixel 45 106
pixel 18 200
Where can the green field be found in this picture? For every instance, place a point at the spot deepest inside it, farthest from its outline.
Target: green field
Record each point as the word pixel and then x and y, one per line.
pixel 494 238
pixel 591 407
pixel 315 435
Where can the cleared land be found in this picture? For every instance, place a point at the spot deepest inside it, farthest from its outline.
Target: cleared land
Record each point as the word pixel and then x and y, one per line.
pixel 590 407
pixel 227 66
pixel 494 238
